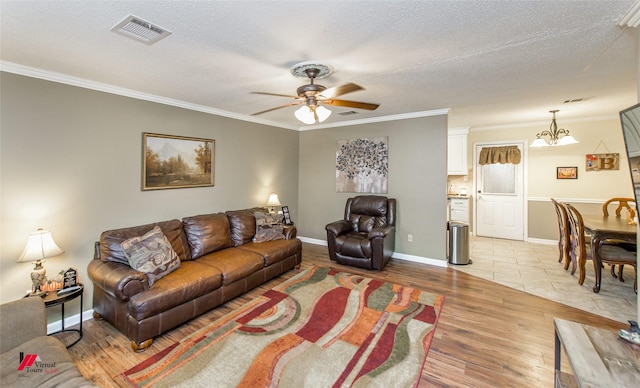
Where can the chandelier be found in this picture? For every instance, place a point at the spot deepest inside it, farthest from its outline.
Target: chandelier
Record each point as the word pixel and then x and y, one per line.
pixel 554 135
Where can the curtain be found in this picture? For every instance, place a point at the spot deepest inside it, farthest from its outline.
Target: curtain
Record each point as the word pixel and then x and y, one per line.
pixel 503 155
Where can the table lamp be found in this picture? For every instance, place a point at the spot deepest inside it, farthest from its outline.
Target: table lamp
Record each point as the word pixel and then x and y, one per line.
pixel 40 246
pixel 273 202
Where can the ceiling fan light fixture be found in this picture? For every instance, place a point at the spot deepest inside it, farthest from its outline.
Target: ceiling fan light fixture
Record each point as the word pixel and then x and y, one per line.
pixel 305 114
pixel 323 113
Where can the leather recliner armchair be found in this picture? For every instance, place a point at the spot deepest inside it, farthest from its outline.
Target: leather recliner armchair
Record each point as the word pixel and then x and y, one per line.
pixel 365 238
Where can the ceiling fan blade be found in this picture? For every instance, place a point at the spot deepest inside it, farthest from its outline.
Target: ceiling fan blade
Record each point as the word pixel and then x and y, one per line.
pixel 277 107
pixel 275 94
pixel 340 90
pixel 351 104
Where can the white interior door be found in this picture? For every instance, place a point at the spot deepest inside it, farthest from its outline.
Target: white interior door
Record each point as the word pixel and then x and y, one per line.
pixel 500 197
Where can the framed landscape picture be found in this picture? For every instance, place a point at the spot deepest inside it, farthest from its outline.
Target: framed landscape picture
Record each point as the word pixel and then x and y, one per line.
pixel 173 162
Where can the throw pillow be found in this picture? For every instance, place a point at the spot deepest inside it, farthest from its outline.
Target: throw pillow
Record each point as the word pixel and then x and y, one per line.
pixel 151 254
pixel 268 227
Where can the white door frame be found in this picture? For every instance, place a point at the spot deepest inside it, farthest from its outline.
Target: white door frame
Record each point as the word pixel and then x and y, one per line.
pixel 525 182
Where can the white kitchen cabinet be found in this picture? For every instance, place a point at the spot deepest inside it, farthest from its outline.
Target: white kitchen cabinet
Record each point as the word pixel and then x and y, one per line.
pixel 457 152
pixel 459 209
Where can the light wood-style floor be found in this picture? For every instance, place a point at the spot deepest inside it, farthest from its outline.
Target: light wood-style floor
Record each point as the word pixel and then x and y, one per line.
pixel 488 335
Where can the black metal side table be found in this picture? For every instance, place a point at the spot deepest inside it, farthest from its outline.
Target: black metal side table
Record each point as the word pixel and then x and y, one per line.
pixel 53 299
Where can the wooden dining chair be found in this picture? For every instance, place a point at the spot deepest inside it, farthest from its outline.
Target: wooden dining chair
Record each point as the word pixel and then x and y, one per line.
pixel 621 204
pixel 564 236
pixel 609 254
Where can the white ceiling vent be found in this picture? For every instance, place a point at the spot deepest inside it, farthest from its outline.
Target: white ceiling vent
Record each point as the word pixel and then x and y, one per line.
pixel 138 29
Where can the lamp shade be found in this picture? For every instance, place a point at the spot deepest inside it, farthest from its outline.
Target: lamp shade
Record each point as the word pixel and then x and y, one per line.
pixel 323 113
pixel 305 115
pixel 539 142
pixel 40 246
pixel 273 200
pixel 567 139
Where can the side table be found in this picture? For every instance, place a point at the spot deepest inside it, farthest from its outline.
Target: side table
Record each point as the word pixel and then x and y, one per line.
pixel 53 299
pixel 597 356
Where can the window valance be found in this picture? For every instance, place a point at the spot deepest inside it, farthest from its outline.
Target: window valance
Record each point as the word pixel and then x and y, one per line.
pixel 503 155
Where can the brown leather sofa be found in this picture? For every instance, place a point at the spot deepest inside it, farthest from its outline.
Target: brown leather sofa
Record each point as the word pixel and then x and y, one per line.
pixel 218 261
pixel 365 238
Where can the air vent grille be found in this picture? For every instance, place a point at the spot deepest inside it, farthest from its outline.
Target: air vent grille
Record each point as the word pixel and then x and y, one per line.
pixel 141 30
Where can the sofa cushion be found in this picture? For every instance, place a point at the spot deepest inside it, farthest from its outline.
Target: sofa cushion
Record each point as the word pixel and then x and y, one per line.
pixel 242 225
pixel 274 251
pixel 207 233
pixel 186 283
pixel 233 263
pixel 111 240
pixel 269 227
pixel 152 254
pixel 50 351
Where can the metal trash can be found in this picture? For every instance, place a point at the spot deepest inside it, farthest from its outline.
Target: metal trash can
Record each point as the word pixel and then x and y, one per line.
pixel 458 252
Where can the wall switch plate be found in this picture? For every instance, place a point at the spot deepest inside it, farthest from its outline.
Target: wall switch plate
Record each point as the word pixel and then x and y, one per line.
pixel 410 237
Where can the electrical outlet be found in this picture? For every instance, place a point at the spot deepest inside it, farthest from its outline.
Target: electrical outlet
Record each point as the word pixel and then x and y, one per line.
pixel 410 237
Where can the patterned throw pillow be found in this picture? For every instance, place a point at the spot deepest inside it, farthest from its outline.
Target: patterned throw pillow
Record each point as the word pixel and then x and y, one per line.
pixel 152 254
pixel 268 227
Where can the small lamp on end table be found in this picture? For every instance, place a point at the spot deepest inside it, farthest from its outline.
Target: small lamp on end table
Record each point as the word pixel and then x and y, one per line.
pixel 40 246
pixel 272 202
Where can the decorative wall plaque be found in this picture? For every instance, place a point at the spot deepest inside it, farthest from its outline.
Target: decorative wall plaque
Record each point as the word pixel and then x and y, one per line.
pixel 603 162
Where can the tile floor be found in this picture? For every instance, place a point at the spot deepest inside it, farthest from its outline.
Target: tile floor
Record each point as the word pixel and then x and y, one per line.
pixel 534 268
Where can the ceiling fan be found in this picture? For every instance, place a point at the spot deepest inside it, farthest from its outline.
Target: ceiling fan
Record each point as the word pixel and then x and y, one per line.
pixel 313 96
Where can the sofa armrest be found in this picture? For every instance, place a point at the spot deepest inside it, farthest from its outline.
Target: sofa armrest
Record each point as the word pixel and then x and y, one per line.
pixel 290 232
pixel 381 232
pixel 20 321
pixel 338 227
pixel 116 279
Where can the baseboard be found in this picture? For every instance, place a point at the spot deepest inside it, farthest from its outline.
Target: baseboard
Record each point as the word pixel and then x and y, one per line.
pixel 420 259
pixel 396 255
pixel 69 321
pixel 314 241
pixel 542 241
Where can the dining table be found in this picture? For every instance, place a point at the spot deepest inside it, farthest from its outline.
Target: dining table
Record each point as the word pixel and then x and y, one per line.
pixel 602 228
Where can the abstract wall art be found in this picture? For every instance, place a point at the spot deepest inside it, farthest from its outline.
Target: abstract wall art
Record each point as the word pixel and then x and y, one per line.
pixel 362 165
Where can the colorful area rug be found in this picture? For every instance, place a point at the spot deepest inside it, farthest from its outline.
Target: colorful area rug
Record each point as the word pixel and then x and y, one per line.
pixel 321 328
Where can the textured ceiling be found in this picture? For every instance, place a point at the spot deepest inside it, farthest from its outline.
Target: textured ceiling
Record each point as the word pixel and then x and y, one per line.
pixel 493 63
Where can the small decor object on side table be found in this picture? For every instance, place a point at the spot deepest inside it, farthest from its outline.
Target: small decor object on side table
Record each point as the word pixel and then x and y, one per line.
pixel 287 216
pixel 70 278
pixel 40 246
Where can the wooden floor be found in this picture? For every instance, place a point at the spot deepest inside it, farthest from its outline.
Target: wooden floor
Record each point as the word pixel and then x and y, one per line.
pixel 488 335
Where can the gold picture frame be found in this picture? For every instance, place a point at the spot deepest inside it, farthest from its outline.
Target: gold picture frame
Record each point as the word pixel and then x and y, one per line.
pixel 176 162
pixel 566 172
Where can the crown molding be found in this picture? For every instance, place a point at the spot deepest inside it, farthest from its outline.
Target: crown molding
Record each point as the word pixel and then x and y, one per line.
pixel 402 116
pixel 101 87
pixel 632 17
pixel 46 75
pixel 546 123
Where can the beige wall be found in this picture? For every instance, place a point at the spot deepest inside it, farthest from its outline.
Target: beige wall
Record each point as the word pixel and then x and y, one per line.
pixel 588 191
pixel 71 163
pixel 417 179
